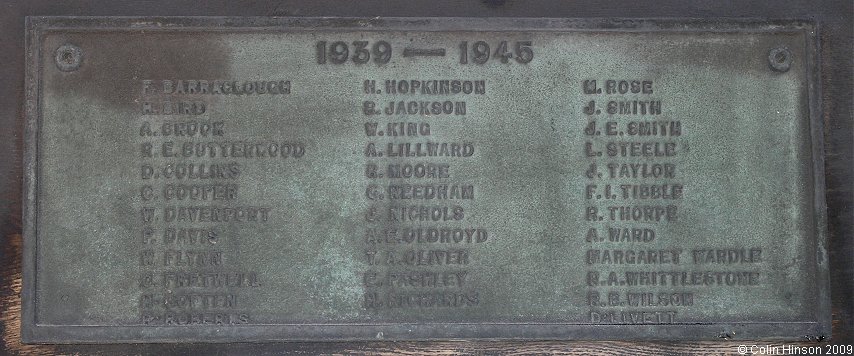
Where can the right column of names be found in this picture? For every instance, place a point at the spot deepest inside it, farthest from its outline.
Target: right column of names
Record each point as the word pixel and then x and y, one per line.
pixel 636 273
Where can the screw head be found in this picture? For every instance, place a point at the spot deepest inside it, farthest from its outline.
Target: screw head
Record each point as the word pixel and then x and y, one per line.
pixel 780 59
pixel 68 57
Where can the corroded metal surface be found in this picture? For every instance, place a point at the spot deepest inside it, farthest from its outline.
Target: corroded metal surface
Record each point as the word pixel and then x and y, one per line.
pixel 210 179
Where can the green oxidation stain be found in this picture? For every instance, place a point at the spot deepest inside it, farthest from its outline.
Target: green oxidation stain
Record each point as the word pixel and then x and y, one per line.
pixel 744 159
pixel 341 272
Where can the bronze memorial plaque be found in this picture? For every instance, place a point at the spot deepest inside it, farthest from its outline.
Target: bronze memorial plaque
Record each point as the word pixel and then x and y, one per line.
pixel 268 179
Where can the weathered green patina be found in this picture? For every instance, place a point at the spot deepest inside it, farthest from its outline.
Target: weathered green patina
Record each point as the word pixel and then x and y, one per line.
pixel 328 179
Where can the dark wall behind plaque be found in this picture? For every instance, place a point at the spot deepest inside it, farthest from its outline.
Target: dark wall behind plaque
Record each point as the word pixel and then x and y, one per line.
pixel 835 36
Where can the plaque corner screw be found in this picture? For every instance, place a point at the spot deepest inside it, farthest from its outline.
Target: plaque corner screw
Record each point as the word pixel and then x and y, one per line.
pixel 780 59
pixel 68 57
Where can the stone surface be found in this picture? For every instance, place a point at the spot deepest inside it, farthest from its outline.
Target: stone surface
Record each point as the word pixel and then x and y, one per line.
pixel 411 179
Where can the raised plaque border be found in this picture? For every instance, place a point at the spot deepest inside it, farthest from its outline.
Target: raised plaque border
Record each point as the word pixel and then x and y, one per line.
pixel 33 332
